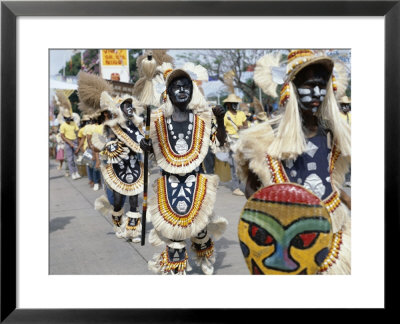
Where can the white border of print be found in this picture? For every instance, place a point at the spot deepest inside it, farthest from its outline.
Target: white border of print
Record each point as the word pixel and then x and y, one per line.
pixel 36 289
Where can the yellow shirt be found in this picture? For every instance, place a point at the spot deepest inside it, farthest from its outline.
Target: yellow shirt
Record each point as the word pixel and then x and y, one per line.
pixel 69 130
pixel 95 129
pixel 239 119
pixel 82 133
pixel 346 117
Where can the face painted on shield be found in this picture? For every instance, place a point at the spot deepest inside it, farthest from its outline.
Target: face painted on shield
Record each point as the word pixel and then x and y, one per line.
pixel 127 108
pixel 180 194
pixel 285 229
pixel 311 85
pixel 126 170
pixel 180 92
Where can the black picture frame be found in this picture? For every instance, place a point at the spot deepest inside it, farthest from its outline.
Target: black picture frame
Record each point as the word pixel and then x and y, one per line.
pixel 10 10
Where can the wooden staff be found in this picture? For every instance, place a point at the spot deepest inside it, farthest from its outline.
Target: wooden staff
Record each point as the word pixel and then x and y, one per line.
pixel 146 173
pixel 147 98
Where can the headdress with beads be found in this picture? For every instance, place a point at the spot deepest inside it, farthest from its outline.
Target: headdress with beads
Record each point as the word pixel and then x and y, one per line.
pixel 95 97
pixel 195 73
pixel 271 71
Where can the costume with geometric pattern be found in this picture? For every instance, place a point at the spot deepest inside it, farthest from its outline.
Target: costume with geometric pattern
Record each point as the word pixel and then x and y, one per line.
pixel 182 207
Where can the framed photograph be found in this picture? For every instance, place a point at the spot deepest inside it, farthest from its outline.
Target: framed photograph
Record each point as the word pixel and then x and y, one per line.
pixel 30 292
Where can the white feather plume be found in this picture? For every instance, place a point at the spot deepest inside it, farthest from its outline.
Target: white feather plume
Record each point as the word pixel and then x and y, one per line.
pixel 107 102
pixel 200 72
pixel 263 76
pixel 164 67
pixel 342 78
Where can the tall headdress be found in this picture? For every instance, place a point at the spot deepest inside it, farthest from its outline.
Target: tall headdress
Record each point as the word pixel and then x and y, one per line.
pixel 90 90
pixel 63 103
pixel 95 96
pixel 271 71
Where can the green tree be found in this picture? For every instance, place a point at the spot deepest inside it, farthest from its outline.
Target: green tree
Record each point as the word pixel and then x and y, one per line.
pixel 90 60
pixel 219 62
pixel 73 66
pixel 133 72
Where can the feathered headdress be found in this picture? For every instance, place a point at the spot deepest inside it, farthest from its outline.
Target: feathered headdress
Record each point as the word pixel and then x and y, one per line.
pixel 195 73
pixel 63 102
pixel 90 90
pixel 95 96
pixel 270 72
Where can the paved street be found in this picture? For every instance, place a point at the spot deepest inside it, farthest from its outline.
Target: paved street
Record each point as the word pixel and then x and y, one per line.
pixel 82 240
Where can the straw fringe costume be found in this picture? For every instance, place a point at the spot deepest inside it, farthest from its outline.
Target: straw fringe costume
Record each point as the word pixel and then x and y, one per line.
pixel 271 150
pixel 119 152
pixel 182 207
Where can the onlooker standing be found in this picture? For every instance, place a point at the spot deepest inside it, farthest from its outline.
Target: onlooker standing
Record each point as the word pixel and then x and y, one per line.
pixel 345 113
pixel 68 131
pixel 345 108
pixel 60 151
pixel 98 128
pixel 234 120
pixel 53 144
pixel 83 145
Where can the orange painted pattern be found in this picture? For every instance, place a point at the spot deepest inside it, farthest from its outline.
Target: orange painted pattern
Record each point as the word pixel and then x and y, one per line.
pixel 166 211
pixel 277 171
pixel 170 156
pixel 126 139
pixel 332 202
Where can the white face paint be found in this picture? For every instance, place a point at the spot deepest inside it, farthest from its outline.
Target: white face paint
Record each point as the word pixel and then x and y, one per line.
pixel 180 91
pixel 182 94
pixel 306 95
pixel 127 170
pixel 304 92
pixel 305 99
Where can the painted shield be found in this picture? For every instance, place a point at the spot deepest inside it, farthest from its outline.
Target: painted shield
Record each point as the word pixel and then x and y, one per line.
pixel 126 176
pixel 285 229
pixel 180 192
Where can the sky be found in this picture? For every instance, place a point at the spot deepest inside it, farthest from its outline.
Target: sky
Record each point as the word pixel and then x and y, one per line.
pixel 58 59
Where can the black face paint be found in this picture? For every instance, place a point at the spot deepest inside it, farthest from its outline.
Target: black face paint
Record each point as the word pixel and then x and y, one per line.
pixel 180 92
pixel 311 85
pixel 127 108
pixel 232 105
pixel 345 108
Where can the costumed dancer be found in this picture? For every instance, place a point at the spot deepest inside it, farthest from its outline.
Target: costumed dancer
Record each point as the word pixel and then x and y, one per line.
pixel 118 148
pixel 308 145
pixel 181 133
